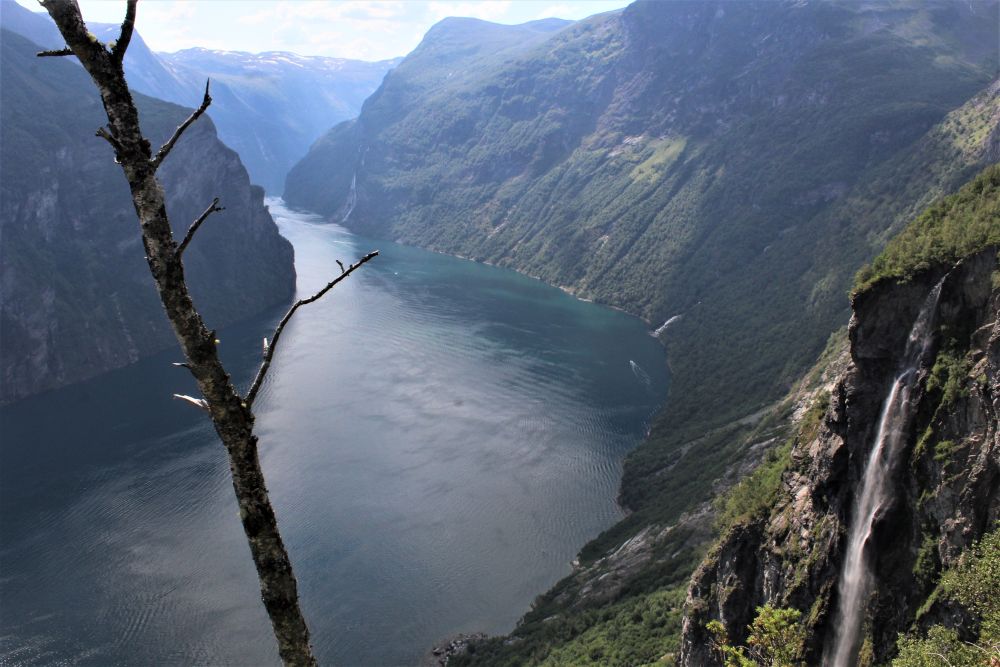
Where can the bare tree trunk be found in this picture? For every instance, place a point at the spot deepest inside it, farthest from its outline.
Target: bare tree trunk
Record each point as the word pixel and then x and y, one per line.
pixel 231 414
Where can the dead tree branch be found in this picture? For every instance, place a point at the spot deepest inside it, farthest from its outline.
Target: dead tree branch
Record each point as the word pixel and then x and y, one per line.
pixel 55 53
pixel 167 147
pixel 270 347
pixel 125 36
pixel 212 208
pixel 197 402
pixel 103 133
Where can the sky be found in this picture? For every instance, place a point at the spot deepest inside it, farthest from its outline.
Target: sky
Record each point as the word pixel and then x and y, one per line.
pixel 362 29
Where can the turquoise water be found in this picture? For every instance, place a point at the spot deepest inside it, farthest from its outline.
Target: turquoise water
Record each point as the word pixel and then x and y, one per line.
pixel 439 438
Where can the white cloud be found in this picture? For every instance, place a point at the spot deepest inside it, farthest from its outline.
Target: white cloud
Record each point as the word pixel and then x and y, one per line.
pixel 176 11
pixel 378 9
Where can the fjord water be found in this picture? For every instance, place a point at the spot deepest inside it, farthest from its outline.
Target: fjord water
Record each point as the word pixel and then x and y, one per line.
pixel 439 439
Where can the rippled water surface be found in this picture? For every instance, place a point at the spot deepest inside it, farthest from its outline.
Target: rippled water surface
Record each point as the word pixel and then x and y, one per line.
pixel 439 438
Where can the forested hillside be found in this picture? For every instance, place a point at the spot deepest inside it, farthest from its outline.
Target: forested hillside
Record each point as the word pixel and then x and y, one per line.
pixel 780 517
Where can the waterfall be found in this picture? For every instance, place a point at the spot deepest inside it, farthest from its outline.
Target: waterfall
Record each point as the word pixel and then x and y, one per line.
pixel 352 192
pixel 352 197
pixel 855 582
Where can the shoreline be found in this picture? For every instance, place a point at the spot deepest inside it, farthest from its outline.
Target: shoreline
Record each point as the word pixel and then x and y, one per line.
pixel 443 651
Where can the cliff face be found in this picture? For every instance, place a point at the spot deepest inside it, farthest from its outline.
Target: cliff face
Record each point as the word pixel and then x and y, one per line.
pixel 946 489
pixel 76 298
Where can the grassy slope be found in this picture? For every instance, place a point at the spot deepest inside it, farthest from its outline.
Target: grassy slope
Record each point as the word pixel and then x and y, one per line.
pixel 891 195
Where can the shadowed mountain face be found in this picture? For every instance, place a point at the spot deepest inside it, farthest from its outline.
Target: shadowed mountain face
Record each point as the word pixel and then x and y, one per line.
pixel 268 107
pixel 732 164
pixel 76 297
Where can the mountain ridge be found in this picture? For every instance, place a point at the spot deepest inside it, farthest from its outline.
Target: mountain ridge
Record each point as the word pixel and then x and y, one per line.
pixel 269 111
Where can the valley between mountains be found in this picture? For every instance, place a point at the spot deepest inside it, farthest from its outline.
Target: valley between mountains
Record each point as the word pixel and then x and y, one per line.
pixel 799 200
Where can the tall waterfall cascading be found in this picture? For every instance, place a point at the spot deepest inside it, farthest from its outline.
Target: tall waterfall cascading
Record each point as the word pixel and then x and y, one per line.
pixel 855 582
pixel 352 198
pixel 352 193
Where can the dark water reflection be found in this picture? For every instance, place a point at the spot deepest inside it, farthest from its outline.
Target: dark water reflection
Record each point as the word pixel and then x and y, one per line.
pixel 439 437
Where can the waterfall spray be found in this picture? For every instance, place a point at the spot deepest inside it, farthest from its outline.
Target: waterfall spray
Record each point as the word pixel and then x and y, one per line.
pixel 855 582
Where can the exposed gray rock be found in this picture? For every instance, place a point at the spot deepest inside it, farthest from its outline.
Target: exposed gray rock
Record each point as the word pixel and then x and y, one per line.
pixel 948 490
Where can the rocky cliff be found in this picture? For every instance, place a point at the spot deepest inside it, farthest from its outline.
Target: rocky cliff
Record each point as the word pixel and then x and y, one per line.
pixel 945 491
pixel 76 297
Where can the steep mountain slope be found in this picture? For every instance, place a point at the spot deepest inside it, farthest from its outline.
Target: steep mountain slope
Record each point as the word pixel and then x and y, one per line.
pixel 726 166
pixel 944 491
pixel 730 164
pixel 269 107
pixel 76 297
pixel 424 101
